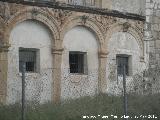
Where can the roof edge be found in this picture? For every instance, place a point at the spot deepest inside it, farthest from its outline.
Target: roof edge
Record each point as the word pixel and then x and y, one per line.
pixel 92 10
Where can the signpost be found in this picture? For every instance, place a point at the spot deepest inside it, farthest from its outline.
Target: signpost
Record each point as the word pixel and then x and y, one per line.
pixel 23 90
pixel 124 93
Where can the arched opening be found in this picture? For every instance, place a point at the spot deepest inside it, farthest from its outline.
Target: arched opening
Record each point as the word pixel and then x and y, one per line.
pixel 79 63
pixel 31 42
pixel 124 50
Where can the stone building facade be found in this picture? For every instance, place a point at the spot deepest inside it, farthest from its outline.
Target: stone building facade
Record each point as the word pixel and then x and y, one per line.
pixel 54 33
pixel 152 38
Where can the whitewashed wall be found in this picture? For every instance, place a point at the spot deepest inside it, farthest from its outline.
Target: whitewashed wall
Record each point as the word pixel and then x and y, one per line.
pixel 122 43
pixel 72 85
pixel 30 34
pixel 130 6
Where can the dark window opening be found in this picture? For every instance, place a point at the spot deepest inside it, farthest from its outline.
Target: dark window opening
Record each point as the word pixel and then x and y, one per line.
pixel 122 61
pixel 28 56
pixel 77 62
pixel 82 2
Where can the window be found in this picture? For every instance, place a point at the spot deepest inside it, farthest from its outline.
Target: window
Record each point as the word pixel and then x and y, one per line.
pixel 78 62
pixel 82 2
pixel 28 56
pixel 39 0
pixel 90 2
pixel 122 61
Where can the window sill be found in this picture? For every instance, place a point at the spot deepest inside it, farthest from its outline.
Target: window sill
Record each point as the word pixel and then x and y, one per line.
pixel 29 74
pixel 76 78
pixel 127 77
pixel 78 74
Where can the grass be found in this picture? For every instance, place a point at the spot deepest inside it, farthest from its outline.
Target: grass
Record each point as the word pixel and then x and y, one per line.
pixel 88 106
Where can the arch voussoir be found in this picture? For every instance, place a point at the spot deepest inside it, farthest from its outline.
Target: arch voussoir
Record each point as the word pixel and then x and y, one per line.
pixel 33 14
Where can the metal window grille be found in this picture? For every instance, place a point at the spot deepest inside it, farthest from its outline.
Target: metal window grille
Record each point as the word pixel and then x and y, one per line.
pixel 89 2
pixel 40 1
pixel 121 62
pixel 82 2
pixel 77 62
pixel 27 56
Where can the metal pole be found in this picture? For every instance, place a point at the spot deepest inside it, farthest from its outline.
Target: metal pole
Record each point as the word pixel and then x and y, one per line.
pixel 23 90
pixel 124 92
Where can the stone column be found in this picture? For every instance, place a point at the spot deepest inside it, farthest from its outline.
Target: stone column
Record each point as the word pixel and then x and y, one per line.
pixel 57 60
pixel 3 73
pixel 102 84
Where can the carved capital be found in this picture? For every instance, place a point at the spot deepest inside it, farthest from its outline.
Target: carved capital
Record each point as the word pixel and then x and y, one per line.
pixel 61 15
pixel 105 21
pixel 126 26
pixel 34 12
pixel 84 19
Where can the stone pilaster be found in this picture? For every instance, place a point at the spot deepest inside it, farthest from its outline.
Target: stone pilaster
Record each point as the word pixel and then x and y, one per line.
pixel 102 83
pixel 3 73
pixel 57 60
pixel 152 37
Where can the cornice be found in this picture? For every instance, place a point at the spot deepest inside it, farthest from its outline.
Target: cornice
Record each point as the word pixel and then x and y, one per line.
pixel 84 9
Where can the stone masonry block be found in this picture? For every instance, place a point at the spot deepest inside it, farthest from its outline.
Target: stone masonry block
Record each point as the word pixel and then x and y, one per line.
pixel 148 1
pixel 158 13
pixel 155 6
pixel 149 12
pixel 148 19
pixel 151 43
pixel 157 43
pixel 158 7
pixel 155 27
pixel 148 27
pixel 156 20
pixel 149 5
pixel 155 34
pixel 147 33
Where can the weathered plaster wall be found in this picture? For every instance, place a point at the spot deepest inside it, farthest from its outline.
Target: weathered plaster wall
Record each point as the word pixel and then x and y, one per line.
pixel 60 23
pixel 131 6
pixel 76 85
pixel 30 34
pixel 122 43
pixel 98 3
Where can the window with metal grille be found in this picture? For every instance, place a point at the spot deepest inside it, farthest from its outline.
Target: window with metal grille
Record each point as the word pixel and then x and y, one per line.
pixel 40 0
pixel 82 2
pixel 122 61
pixel 78 62
pixel 28 56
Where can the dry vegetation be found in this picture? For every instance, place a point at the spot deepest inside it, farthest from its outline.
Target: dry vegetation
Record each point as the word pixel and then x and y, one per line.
pixel 75 109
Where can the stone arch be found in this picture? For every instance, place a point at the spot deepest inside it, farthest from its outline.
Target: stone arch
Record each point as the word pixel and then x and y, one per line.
pixel 131 30
pixel 90 24
pixel 43 16
pixel 33 14
pixel 35 36
pixel 74 41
